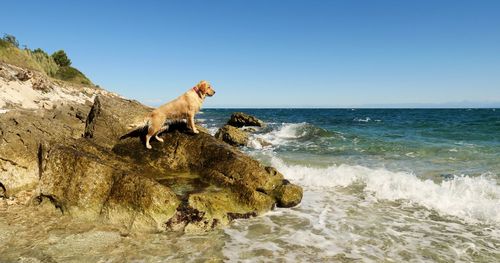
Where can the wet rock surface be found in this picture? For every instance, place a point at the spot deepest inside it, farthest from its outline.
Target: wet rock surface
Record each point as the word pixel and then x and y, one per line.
pixel 240 119
pixel 232 135
pixel 288 195
pixel 77 164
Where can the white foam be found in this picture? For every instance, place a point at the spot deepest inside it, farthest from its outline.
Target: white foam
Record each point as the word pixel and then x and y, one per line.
pixel 285 134
pixel 212 130
pixel 366 119
pixel 473 199
pixel 290 131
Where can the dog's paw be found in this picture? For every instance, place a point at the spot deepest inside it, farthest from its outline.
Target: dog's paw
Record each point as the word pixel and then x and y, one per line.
pixel 149 147
pixel 159 139
pixel 196 131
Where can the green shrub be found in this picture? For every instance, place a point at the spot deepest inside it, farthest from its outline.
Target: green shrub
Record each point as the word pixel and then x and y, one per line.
pixel 72 75
pixel 40 51
pixel 11 39
pixel 61 58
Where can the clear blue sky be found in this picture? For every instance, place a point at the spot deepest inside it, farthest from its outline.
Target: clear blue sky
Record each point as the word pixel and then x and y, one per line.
pixel 274 53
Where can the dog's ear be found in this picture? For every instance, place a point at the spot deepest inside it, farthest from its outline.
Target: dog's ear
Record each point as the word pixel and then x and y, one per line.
pixel 202 85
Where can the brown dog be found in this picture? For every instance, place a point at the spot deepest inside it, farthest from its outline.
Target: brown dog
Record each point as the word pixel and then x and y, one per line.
pixel 184 107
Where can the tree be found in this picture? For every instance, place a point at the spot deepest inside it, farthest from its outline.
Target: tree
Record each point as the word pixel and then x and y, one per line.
pixel 11 39
pixel 61 58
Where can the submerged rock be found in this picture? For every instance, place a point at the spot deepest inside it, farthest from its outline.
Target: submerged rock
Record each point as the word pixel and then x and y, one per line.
pixel 232 135
pixel 240 119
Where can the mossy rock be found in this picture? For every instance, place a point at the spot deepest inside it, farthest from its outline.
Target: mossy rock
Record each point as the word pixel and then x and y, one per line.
pixel 232 135
pixel 240 119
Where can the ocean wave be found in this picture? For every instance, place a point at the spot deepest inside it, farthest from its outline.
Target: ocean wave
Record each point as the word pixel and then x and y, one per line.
pixel 365 120
pixel 287 133
pixel 473 199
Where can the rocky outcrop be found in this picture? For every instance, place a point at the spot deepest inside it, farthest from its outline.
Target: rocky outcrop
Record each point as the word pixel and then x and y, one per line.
pixel 238 129
pixel 236 185
pixel 77 163
pixel 232 135
pixel 240 119
pixel 90 182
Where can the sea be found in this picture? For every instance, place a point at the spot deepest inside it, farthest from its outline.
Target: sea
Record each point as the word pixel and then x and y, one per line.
pixel 393 185
pixel 380 185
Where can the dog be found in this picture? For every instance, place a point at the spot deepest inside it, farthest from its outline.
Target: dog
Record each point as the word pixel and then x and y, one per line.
pixel 184 107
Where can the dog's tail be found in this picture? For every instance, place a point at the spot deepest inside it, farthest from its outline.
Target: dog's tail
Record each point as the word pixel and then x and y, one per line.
pixel 137 129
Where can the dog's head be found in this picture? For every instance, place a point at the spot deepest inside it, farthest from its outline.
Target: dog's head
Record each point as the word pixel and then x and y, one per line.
pixel 205 88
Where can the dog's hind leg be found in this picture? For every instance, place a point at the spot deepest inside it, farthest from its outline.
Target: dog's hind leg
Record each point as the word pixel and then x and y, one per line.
pixel 148 137
pixel 162 129
pixel 153 129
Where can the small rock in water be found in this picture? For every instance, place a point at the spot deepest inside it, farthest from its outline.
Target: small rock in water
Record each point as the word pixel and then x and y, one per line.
pixel 240 119
pixel 288 195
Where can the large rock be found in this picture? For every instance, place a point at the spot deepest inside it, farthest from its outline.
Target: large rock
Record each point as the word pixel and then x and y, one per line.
pixel 77 163
pixel 240 119
pixel 23 135
pixel 232 135
pixel 88 181
pixel 110 117
pixel 239 186
pixel 139 188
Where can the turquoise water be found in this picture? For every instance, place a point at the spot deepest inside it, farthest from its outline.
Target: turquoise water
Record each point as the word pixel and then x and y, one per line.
pixel 428 142
pixel 379 185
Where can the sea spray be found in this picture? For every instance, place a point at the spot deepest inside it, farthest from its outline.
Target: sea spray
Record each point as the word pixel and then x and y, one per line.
pixel 474 199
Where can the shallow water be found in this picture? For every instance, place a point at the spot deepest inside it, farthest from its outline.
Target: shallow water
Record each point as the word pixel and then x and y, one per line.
pixel 379 185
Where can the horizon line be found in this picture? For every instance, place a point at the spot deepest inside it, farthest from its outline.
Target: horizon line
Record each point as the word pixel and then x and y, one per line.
pixel 340 108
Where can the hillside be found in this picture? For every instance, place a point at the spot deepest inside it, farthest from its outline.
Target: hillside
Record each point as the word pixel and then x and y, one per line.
pixel 39 60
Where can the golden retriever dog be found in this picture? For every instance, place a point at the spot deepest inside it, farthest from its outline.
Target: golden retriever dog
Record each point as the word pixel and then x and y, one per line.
pixel 184 107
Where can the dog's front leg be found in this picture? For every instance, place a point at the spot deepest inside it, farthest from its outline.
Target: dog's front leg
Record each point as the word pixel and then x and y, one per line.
pixel 191 124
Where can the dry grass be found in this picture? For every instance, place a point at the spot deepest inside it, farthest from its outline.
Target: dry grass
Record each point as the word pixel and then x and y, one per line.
pixel 40 61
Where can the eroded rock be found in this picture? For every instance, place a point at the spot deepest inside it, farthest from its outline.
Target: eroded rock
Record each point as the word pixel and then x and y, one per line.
pixel 232 135
pixel 288 195
pixel 240 119
pixel 24 75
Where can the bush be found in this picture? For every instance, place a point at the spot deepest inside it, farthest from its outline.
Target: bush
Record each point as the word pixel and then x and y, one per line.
pixel 61 58
pixel 72 75
pixel 10 39
pixel 40 51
